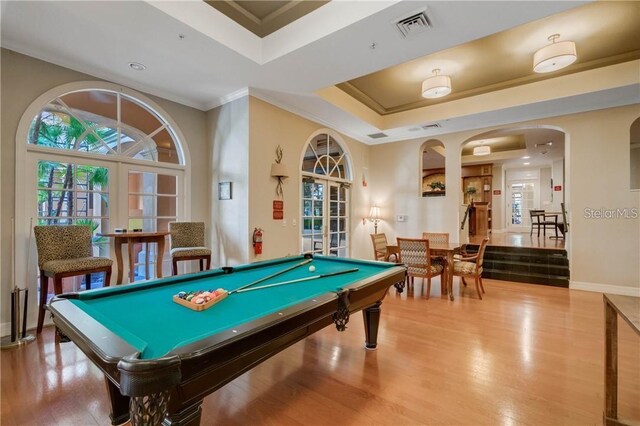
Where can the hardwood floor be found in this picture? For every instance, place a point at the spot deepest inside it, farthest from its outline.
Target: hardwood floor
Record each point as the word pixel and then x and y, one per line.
pixel 519 239
pixel 525 354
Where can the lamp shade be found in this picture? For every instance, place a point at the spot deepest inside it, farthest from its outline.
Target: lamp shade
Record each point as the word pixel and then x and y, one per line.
pixel 554 56
pixel 436 86
pixel 279 170
pixel 482 150
pixel 374 213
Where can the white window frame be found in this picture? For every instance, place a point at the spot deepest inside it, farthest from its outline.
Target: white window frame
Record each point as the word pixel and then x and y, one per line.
pixel 26 253
pixel 346 154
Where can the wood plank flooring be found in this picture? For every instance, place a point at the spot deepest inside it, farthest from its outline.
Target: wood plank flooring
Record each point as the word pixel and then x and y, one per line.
pixel 525 355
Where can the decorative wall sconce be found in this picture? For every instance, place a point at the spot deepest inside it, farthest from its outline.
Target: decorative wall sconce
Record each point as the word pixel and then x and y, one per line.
pixel 374 216
pixel 279 171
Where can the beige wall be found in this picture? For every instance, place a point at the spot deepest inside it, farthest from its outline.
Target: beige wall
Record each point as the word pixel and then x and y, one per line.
pixel 270 126
pixel 603 253
pixel 23 80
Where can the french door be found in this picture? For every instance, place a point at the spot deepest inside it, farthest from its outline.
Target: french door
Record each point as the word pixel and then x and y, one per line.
pixel 105 195
pixel 325 218
pixel 521 197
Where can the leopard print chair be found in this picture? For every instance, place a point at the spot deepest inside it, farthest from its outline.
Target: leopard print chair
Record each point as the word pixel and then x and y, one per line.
pixel 65 251
pixel 187 243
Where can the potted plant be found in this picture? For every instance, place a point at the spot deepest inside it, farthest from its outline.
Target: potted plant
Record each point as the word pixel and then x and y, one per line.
pixel 437 186
pixel 470 191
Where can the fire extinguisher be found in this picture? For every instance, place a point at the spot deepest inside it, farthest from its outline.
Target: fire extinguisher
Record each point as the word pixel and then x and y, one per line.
pixel 257 241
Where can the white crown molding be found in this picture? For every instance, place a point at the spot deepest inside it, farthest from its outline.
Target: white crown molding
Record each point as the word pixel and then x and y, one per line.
pixel 605 288
pixel 227 98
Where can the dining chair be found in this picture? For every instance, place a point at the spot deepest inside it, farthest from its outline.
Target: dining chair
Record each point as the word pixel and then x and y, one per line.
pixel 564 225
pixel 380 244
pixel 539 221
pixel 471 266
pixel 65 251
pixel 414 253
pixel 187 243
pixel 436 238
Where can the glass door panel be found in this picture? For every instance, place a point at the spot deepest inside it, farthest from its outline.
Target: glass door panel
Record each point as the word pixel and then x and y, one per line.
pixel 324 218
pixel 313 226
pixel 520 200
pixel 152 204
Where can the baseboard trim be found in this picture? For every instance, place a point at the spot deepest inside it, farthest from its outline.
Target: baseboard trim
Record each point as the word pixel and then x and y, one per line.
pixel 605 288
pixel 498 231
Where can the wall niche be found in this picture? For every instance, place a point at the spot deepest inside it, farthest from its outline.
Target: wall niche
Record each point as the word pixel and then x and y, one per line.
pixel 433 182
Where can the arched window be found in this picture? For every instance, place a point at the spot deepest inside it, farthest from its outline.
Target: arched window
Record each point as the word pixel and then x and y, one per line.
pixel 326 179
pixel 105 122
pixel 324 156
pixel 102 155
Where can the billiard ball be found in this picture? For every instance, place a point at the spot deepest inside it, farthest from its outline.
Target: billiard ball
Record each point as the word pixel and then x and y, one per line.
pixel 312 268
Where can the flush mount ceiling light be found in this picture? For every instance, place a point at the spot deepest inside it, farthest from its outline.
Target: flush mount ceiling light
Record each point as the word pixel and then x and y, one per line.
pixel 137 66
pixel 482 150
pixel 436 86
pixel 554 56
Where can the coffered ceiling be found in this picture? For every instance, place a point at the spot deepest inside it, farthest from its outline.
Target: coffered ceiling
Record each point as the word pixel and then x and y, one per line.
pixel 605 33
pixel 263 17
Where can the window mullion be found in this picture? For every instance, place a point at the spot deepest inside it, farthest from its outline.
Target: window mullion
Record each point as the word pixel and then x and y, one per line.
pixel 119 122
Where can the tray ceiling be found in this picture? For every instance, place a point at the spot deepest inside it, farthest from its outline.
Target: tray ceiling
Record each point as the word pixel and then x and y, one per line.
pixel 605 33
pixel 265 17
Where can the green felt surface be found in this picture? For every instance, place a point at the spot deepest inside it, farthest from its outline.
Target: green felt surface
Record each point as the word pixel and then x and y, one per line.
pixel 148 319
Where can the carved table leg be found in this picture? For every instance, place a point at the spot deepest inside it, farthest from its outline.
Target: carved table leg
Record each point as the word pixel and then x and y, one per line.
pixel 371 317
pixel 149 409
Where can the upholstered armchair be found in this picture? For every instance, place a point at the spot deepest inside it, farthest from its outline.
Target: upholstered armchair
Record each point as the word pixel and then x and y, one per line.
pixel 416 256
pixel 65 251
pixel 471 266
pixel 187 243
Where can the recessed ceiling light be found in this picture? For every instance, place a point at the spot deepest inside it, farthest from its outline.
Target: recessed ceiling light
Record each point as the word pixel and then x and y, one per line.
pixel 526 164
pixel 137 66
pixel 526 157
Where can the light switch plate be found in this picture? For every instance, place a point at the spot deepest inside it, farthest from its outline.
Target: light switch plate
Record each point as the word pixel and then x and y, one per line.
pixel 402 218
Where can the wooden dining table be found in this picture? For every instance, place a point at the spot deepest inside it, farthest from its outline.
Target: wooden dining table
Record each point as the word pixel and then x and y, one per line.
pixel 447 251
pixel 131 238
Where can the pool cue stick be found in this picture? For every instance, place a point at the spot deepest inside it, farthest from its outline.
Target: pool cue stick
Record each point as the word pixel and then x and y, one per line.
pixel 315 277
pixel 304 262
pixel 26 278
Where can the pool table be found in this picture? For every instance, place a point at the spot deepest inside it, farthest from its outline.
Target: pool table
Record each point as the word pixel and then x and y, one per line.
pixel 160 359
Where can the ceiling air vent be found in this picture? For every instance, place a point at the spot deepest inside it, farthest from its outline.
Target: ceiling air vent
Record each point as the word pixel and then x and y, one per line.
pixel 418 22
pixel 431 126
pixel 377 135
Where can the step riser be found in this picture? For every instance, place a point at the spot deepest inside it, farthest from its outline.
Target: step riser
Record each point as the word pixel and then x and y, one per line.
pixel 526 265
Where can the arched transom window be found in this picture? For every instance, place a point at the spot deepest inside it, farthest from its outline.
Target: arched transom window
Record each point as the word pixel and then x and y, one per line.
pixel 324 156
pixel 105 122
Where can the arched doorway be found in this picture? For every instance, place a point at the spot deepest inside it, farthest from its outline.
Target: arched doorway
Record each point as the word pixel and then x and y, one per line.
pixel 326 181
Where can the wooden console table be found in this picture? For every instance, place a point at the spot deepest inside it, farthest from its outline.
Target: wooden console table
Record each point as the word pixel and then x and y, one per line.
pixel 130 238
pixel 628 307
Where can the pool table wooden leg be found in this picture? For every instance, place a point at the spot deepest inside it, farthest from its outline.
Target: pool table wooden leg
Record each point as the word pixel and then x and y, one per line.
pixel 119 404
pixel 371 317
